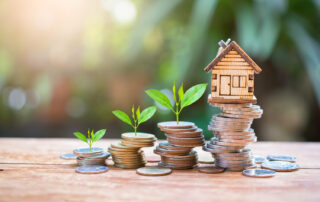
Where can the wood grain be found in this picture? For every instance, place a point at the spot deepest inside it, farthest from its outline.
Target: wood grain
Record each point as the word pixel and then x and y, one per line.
pixel 33 171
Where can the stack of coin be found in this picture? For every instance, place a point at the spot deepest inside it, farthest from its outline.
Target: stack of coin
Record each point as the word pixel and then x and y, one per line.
pixel 232 133
pixel 176 152
pixel 128 153
pixel 91 157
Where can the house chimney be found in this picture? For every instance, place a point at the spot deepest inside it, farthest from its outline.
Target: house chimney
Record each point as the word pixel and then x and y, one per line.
pixel 222 44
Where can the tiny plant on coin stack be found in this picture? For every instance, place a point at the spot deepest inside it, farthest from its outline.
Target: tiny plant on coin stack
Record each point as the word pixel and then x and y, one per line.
pixel 183 100
pixel 92 136
pixel 137 117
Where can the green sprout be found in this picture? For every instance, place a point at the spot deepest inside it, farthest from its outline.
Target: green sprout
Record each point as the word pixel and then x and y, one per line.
pixel 185 99
pixel 137 117
pixel 92 136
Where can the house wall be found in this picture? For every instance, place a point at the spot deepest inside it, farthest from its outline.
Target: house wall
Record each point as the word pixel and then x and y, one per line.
pixel 232 69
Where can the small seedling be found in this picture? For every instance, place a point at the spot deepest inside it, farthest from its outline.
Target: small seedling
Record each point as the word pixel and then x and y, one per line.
pixel 185 99
pixel 137 117
pixel 92 136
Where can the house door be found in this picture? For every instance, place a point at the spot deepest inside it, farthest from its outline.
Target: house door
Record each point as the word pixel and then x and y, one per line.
pixel 225 85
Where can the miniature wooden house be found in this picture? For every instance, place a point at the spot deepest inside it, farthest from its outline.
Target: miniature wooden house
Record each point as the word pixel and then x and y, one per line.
pixel 232 75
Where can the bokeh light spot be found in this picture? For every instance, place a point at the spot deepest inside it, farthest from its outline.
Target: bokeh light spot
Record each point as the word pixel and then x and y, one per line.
pixel 17 98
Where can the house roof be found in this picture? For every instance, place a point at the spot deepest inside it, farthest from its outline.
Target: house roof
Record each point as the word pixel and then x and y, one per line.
pixel 236 47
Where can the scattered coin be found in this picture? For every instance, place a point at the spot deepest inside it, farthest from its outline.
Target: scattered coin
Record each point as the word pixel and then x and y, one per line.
pixel 281 166
pixel 154 171
pixel 281 158
pixel 260 173
pixel 211 170
pixel 259 159
pixel 92 169
pixel 68 156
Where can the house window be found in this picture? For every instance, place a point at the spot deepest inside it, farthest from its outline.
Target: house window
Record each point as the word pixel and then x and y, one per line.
pixel 214 76
pixel 250 89
pixel 214 88
pixel 251 76
pixel 239 81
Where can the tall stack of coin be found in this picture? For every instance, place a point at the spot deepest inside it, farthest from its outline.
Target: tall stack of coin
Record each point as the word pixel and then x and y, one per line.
pixel 128 153
pixel 91 157
pixel 176 152
pixel 232 133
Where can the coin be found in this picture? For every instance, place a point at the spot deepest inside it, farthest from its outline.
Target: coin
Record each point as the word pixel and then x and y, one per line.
pixel 281 166
pixel 84 152
pixel 281 158
pixel 259 159
pixel 211 170
pixel 138 136
pixel 128 153
pixel 68 156
pixel 93 169
pixel 153 159
pixel 153 171
pixel 173 124
pixel 178 130
pixel 205 159
pixel 260 173
pixel 166 145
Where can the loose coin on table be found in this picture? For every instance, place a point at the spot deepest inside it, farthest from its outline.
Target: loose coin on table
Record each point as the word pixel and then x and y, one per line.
pixel 68 156
pixel 92 169
pixel 281 166
pixel 153 171
pixel 259 159
pixel 211 170
pixel 281 158
pixel 260 173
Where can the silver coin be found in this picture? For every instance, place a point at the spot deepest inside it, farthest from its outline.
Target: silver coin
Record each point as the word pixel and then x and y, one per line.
pixel 261 173
pixel 93 169
pixel 281 166
pixel 281 158
pixel 259 159
pixel 68 156
pixel 85 152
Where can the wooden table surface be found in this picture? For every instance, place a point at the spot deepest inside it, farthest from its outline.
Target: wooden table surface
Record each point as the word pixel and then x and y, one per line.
pixel 33 171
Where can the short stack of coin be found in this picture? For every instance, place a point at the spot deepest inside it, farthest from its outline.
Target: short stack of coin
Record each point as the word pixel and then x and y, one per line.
pixel 128 153
pixel 91 157
pixel 233 132
pixel 176 152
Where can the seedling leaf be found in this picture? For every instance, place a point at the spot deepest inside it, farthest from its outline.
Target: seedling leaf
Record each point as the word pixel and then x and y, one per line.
pixel 181 93
pixel 81 136
pixel 138 113
pixel 159 97
pixel 98 135
pixel 147 114
pixel 193 94
pixel 122 116
pixel 133 112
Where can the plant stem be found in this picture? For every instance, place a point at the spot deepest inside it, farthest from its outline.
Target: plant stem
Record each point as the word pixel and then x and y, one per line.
pixel 177 113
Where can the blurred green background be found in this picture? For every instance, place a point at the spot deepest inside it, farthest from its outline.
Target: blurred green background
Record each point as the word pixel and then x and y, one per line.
pixel 65 65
